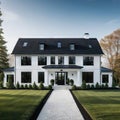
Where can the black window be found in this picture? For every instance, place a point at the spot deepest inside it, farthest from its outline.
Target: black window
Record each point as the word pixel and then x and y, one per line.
pixel 42 60
pixel 88 60
pixel 71 59
pixel 72 46
pixel 105 78
pixel 52 59
pixel 25 77
pixel 87 77
pixel 40 77
pixel 61 60
pixel 41 46
pixel 25 60
pixel 10 77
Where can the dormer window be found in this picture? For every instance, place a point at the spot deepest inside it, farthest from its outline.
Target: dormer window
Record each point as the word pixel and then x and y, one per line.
pixel 25 44
pixel 72 46
pixel 90 46
pixel 59 45
pixel 41 46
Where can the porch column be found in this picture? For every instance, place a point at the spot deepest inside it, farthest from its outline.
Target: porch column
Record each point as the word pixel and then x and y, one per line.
pixel 79 82
pixel 46 78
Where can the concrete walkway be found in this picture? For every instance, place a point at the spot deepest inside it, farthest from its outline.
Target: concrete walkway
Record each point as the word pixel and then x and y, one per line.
pixel 60 106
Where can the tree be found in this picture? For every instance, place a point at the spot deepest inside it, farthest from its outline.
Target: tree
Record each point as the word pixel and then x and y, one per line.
pixel 3 49
pixel 111 48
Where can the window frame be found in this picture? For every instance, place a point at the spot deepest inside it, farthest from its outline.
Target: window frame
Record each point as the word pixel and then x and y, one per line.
pixel 44 60
pixel 39 77
pixel 60 60
pixel 28 76
pixel 51 61
pixel 88 62
pixel 103 79
pixel 72 63
pixel 87 78
pixel 26 60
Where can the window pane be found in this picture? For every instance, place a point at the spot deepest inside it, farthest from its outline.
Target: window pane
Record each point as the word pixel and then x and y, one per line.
pixel 61 60
pixel 25 77
pixel 88 61
pixel 87 77
pixel 42 60
pixel 40 77
pixel 105 78
pixel 71 59
pixel 72 47
pixel 52 59
pixel 25 60
pixel 41 46
pixel 59 45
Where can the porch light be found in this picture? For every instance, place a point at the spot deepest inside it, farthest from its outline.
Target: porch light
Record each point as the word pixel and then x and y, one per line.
pixel 72 74
pixel 61 70
pixel 51 74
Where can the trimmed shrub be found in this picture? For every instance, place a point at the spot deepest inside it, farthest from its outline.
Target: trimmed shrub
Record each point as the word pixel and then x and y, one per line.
pixel 1 84
pixel 10 84
pixel 52 82
pixel 83 86
pixel 106 85
pixel 113 84
pixel 74 87
pixel 1 76
pixel 35 87
pixel 22 87
pixel 18 85
pixel 26 86
pixel 103 86
pixel 92 86
pixel 41 86
pixel 97 85
pixel 88 86
pixel 50 87
pixel 30 86
pixel 71 82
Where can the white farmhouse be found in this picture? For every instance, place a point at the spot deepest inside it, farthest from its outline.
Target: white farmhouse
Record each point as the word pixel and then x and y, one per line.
pixel 43 59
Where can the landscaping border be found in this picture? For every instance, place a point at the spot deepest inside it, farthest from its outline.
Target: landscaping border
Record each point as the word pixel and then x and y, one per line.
pixel 81 108
pixel 40 106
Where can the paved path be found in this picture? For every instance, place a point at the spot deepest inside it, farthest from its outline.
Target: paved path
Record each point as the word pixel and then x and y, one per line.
pixel 60 106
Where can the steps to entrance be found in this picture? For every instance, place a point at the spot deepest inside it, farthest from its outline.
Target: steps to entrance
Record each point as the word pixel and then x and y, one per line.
pixel 60 106
pixel 62 87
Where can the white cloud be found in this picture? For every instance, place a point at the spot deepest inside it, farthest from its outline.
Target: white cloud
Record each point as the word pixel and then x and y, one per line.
pixel 113 22
pixel 10 16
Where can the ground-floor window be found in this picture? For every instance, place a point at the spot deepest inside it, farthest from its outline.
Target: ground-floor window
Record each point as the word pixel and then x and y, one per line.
pixel 105 78
pixel 40 77
pixel 25 77
pixel 10 77
pixel 87 77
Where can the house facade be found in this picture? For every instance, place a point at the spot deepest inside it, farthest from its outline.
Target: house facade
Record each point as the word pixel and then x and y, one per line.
pixel 60 59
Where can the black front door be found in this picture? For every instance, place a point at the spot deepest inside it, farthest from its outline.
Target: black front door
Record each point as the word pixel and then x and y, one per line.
pixel 60 78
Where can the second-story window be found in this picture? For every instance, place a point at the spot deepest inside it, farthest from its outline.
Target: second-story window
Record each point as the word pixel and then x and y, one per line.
pixel 42 60
pixel 41 46
pixel 25 60
pixel 52 60
pixel 88 60
pixel 61 60
pixel 71 59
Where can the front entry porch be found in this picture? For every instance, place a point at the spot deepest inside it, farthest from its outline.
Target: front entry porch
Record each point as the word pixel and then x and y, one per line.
pixel 60 78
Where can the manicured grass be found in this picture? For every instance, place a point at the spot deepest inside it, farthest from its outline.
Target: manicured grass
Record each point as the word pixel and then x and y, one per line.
pixel 100 104
pixel 19 104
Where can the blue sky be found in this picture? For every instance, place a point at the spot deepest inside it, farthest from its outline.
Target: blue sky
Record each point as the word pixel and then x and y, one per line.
pixel 58 18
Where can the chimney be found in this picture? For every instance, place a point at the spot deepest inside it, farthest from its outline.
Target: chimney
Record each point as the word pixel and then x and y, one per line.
pixel 86 35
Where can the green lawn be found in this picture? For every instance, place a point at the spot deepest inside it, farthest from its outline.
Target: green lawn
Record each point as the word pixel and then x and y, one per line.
pixel 100 104
pixel 19 104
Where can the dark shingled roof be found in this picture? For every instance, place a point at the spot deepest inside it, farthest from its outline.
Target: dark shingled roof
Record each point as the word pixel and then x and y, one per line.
pixel 11 69
pixel 82 46
pixel 62 67
pixel 103 69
